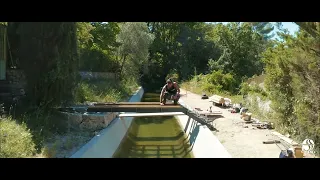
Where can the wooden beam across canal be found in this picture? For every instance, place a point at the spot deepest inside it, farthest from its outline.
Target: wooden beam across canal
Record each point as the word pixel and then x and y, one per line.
pixel 138 107
pixel 153 109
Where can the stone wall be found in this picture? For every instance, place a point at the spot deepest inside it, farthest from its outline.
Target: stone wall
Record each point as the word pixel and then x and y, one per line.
pixel 263 105
pixel 261 108
pixel 90 122
pixel 15 76
pixel 17 82
pixel 17 79
pixel 97 75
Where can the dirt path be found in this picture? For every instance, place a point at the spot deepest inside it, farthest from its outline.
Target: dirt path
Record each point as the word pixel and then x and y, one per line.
pixel 239 141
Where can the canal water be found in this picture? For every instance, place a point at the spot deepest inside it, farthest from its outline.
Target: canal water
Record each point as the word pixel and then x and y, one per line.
pixel 154 137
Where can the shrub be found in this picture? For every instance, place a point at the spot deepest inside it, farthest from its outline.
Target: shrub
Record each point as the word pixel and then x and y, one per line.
pixel 173 75
pixel 215 82
pixel 98 60
pixel 221 81
pixel 254 88
pixel 15 140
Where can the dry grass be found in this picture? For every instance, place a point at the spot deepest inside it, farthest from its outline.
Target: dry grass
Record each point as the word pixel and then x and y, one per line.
pixel 104 90
pixel 63 146
pixel 197 88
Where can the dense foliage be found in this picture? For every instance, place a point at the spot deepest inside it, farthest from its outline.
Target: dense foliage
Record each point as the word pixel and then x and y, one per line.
pixel 292 69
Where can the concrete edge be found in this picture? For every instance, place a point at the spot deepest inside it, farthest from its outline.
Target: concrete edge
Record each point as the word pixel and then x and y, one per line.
pixel 113 134
pixel 203 142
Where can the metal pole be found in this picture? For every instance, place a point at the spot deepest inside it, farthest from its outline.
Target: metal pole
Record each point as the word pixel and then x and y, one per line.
pixel 187 125
pixel 123 122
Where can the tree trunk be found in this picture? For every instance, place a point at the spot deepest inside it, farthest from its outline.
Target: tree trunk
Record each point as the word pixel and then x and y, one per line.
pixel 48 55
pixel 122 65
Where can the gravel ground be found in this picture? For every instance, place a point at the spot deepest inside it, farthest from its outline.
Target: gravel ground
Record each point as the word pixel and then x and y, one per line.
pixel 241 140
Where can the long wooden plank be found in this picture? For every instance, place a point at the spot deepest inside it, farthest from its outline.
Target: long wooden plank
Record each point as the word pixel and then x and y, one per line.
pixel 137 109
pixel 128 103
pixel 136 106
pixel 147 107
pixel 134 103
pixel 151 114
pixel 213 113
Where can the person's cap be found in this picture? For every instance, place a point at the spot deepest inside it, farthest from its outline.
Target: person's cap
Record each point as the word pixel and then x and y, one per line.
pixel 169 81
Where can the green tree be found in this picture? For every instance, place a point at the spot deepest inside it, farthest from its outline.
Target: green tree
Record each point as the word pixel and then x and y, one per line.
pixel 84 34
pixel 240 48
pixel 133 53
pixel 97 43
pixel 264 28
pixel 105 34
pixel 179 47
pixel 313 28
pixel 292 69
pixel 195 50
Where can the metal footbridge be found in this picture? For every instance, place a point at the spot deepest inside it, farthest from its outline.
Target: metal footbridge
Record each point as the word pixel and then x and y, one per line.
pixel 143 109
